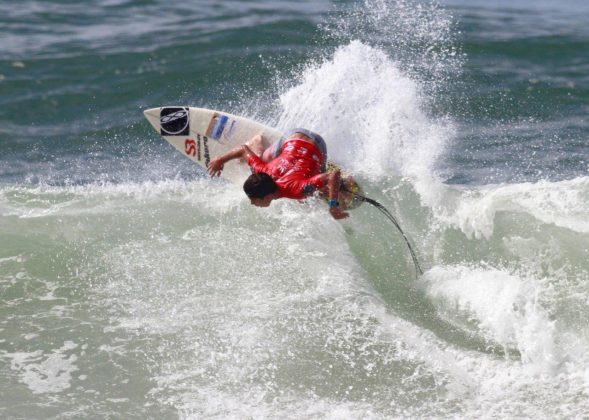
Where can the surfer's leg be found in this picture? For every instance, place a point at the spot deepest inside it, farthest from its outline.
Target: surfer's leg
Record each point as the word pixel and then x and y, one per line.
pixel 273 151
pixel 256 144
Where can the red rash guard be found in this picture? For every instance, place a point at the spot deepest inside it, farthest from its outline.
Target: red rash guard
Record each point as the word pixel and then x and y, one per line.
pixel 296 170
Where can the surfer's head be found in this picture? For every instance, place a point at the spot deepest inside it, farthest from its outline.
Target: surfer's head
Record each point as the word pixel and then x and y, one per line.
pixel 260 188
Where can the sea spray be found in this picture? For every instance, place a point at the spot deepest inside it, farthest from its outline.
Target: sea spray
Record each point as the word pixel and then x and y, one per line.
pixel 130 286
pixel 420 36
pixel 370 114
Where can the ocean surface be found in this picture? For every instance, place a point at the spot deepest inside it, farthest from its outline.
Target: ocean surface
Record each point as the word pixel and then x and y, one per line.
pixel 133 286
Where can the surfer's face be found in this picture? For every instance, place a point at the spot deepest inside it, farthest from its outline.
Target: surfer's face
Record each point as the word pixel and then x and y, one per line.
pixel 262 202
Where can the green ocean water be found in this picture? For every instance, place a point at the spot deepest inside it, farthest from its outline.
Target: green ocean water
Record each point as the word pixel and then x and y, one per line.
pixel 133 286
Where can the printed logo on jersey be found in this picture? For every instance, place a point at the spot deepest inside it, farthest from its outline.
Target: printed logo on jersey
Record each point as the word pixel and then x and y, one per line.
pixel 174 121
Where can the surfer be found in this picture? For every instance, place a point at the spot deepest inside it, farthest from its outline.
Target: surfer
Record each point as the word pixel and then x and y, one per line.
pixel 294 167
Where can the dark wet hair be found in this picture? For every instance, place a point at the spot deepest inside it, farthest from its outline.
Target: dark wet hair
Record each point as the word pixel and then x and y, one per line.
pixel 259 185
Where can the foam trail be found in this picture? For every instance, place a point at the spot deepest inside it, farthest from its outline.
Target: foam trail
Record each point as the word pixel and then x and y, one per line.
pixel 507 310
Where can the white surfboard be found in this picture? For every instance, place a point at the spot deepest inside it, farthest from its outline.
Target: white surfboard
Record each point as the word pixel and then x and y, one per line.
pixel 203 134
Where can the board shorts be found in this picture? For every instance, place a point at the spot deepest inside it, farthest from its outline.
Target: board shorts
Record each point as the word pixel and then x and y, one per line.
pixel 274 150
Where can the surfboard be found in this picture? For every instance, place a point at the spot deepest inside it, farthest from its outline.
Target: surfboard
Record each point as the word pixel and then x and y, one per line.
pixel 202 134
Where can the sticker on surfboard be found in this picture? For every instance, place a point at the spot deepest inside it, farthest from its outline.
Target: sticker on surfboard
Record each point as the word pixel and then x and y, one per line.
pixel 175 121
pixel 218 125
pixel 194 148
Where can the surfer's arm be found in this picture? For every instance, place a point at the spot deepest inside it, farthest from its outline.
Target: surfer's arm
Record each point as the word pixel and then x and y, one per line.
pixel 216 165
pixel 332 180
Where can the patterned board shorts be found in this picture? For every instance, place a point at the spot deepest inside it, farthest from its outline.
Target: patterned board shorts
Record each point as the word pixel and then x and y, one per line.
pixel 317 139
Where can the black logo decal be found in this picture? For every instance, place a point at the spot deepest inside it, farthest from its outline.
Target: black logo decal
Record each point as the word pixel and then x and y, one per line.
pixel 174 121
pixel 207 155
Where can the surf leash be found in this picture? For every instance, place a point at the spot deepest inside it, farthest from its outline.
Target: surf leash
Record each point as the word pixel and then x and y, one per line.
pixel 388 215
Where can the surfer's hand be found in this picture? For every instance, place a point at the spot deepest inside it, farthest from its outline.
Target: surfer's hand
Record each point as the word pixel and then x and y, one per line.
pixel 338 213
pixel 215 167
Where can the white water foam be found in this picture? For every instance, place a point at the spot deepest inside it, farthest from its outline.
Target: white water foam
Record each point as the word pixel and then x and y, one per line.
pixel 289 333
pixel 563 203
pixel 505 309
pixel 45 373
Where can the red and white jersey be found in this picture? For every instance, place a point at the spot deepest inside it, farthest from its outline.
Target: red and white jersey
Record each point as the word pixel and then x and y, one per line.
pixel 296 170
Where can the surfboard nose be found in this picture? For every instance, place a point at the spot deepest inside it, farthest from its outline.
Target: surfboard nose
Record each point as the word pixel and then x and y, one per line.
pixel 153 116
